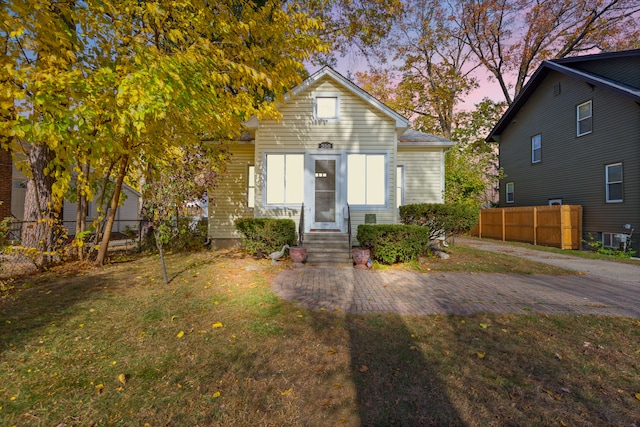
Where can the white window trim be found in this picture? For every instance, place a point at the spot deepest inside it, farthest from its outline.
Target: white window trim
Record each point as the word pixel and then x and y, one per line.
pixel 506 192
pixel 579 119
pixel 387 155
pixel 606 179
pixel 315 107
pixel 533 138
pixel 264 181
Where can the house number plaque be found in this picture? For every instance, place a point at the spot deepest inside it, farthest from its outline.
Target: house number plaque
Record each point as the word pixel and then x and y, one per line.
pixel 325 146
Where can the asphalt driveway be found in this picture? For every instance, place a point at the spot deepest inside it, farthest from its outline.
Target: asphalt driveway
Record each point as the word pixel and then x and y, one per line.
pixel 604 287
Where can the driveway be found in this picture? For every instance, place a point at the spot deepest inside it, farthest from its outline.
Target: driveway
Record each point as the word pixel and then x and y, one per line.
pixel 604 287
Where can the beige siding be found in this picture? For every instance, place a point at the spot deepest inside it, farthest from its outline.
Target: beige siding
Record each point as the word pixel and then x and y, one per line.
pixel 423 175
pixel 228 201
pixel 361 128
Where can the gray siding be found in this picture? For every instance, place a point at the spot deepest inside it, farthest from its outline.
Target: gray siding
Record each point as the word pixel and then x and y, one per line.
pixel 623 70
pixel 573 168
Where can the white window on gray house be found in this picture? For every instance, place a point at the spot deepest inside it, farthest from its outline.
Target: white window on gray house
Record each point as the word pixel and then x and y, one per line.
pixel 327 107
pixel 284 179
pixel 509 192
pixel 536 148
pixel 399 186
pixel 366 179
pixel 251 186
pixel 584 115
pixel 614 182
pixel 611 240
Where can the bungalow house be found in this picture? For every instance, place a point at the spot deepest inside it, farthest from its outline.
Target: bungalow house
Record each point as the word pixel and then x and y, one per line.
pixel 336 156
pixel 572 136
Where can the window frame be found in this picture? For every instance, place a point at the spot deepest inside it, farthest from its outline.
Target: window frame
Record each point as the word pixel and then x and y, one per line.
pixel 265 175
pixel 609 183
pixel 330 119
pixel 538 138
pixel 507 192
pixel 365 206
pixel 580 119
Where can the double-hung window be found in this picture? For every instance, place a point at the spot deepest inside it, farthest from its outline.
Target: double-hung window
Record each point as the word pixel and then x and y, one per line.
pixel 536 148
pixel 284 176
pixel 366 179
pixel 251 186
pixel 584 115
pixel 399 186
pixel 613 174
pixel 509 192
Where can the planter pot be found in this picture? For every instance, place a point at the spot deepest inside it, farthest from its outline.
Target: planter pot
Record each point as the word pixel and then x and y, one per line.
pixel 361 257
pixel 298 255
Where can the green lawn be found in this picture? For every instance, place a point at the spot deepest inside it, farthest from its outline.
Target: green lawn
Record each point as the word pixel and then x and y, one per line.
pixel 114 346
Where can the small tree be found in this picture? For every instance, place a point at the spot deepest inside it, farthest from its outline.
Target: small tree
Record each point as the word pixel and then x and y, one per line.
pixel 186 177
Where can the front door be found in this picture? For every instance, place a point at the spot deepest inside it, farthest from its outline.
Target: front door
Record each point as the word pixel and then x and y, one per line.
pixel 325 211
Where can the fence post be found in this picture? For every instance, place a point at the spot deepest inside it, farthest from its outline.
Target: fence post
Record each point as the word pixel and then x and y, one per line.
pixel 535 225
pixel 504 226
pixel 480 224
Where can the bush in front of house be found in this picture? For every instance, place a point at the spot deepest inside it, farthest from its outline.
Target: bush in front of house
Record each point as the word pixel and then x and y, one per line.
pixel 394 242
pixel 264 235
pixel 450 219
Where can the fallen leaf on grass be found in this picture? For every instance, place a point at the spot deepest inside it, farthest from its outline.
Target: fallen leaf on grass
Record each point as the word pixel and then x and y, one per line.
pixel 217 325
pixel 484 325
pixel 216 395
pixel 481 354
pixel 284 393
pixel 180 334
pixel 363 368
pixel 332 351
pixel 122 378
pixel 638 396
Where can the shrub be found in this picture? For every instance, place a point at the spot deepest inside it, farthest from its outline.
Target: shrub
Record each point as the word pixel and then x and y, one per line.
pixel 394 243
pixel 446 220
pixel 264 235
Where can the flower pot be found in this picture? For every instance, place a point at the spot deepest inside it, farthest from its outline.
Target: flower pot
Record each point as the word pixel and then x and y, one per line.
pixel 298 255
pixel 361 257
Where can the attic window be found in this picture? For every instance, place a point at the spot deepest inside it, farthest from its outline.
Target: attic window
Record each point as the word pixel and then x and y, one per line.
pixel 556 89
pixel 327 107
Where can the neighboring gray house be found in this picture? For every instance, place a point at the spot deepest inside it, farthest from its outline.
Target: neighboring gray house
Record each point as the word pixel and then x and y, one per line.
pixel 572 136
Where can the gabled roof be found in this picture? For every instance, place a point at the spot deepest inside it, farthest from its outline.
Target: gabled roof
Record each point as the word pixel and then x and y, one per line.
pixel 414 138
pixel 401 122
pixel 567 66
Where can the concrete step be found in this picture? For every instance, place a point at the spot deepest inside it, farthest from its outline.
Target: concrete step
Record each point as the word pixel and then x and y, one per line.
pixel 327 248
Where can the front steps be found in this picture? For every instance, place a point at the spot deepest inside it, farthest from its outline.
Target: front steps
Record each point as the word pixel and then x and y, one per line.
pixel 327 248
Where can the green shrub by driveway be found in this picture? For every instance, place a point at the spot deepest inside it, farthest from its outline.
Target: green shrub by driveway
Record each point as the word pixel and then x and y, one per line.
pixel 264 235
pixel 394 242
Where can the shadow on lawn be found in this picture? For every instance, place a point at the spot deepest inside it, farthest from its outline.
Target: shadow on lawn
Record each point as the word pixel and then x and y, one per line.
pixel 395 384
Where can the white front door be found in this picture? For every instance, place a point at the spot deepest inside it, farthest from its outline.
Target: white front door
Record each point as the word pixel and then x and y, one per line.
pixel 325 196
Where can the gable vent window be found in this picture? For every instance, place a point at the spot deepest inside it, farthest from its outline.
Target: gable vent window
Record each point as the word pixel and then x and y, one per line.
pixel 584 118
pixel 327 107
pixel 556 89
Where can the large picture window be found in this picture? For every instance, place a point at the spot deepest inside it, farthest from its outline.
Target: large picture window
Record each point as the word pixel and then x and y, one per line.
pixel 284 179
pixel 585 118
pixel 366 179
pixel 614 182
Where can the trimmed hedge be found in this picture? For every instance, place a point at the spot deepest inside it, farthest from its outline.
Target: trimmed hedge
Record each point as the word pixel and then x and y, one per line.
pixel 394 242
pixel 264 235
pixel 450 219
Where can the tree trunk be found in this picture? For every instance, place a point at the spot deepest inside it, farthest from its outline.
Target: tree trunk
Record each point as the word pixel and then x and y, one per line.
pixel 39 210
pixel 104 243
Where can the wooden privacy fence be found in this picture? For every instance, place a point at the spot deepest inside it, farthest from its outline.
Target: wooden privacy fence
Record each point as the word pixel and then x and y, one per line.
pixel 558 226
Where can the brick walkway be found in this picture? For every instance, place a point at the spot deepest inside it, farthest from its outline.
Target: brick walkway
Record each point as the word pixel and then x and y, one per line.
pixel 373 291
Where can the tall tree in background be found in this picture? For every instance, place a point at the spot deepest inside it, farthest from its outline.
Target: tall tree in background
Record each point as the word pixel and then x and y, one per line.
pixel 510 38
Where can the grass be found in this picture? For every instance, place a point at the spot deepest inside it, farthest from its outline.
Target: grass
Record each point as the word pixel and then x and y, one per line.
pixel 115 346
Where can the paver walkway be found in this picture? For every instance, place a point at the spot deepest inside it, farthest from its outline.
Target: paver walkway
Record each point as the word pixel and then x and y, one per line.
pixel 370 291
